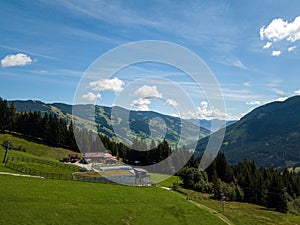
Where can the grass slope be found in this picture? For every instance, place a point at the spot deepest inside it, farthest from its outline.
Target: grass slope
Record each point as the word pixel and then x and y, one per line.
pixel 35 151
pixel 41 201
pixel 35 148
pixel 244 213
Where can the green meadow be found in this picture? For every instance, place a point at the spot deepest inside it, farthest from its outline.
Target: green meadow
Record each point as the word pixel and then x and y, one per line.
pixel 41 201
pixel 34 148
pixel 240 213
pixel 26 200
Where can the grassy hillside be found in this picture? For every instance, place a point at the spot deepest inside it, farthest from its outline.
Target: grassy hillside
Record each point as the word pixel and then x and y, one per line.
pixel 244 213
pixel 34 148
pixel 41 201
pixel 35 151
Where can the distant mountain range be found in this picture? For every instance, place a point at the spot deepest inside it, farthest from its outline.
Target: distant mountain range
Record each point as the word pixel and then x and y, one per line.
pixel 207 124
pixel 269 135
pixel 100 116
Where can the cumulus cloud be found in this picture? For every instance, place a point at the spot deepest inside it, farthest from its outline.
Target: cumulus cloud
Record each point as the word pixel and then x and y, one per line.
pixel 279 30
pixel 253 102
pixel 91 97
pixel 291 48
pixel 204 112
pixel 276 53
pixel 207 113
pixel 143 108
pixel 115 85
pixel 141 104
pixel 19 59
pixel 297 92
pixel 171 102
pixel 147 91
pixel 267 45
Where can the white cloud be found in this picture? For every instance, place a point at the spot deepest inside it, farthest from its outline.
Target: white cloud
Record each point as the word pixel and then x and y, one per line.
pixel 144 94
pixel 115 85
pixel 141 104
pixel 172 102
pixel 143 108
pixel 291 48
pixel 297 92
pixel 267 45
pixel 231 61
pixel 279 30
pixel 141 101
pixel 204 104
pixel 16 60
pixel 238 63
pixel 276 53
pixel 91 97
pixel 207 113
pixel 281 99
pixel 147 91
pixel 253 102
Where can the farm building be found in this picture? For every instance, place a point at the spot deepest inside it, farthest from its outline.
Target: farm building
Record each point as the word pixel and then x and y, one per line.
pixel 116 174
pixel 100 157
pixel 94 157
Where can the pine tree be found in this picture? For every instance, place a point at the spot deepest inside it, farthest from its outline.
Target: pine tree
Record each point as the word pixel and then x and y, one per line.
pixel 221 166
pixel 12 117
pixel 276 197
pixel 45 127
pixel 217 189
pixel 4 115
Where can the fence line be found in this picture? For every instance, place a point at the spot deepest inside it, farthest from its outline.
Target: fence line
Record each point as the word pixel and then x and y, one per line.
pixel 42 161
pixel 35 172
pixel 10 163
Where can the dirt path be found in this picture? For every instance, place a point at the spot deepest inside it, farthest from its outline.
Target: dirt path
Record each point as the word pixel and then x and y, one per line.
pixel 214 212
pixel 19 175
pixel 210 210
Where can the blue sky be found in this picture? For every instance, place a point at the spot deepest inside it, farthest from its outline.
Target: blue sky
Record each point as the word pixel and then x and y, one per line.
pixel 252 48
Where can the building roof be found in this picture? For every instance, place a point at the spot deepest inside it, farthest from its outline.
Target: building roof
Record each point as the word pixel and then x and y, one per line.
pixel 116 168
pixel 108 173
pixel 140 170
pixel 93 154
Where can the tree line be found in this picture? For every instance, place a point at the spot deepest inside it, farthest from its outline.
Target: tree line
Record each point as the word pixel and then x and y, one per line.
pixel 243 182
pixel 48 128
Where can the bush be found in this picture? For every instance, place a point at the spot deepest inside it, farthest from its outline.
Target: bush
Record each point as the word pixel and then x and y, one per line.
pixel 195 179
pixel 294 206
pixel 232 191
